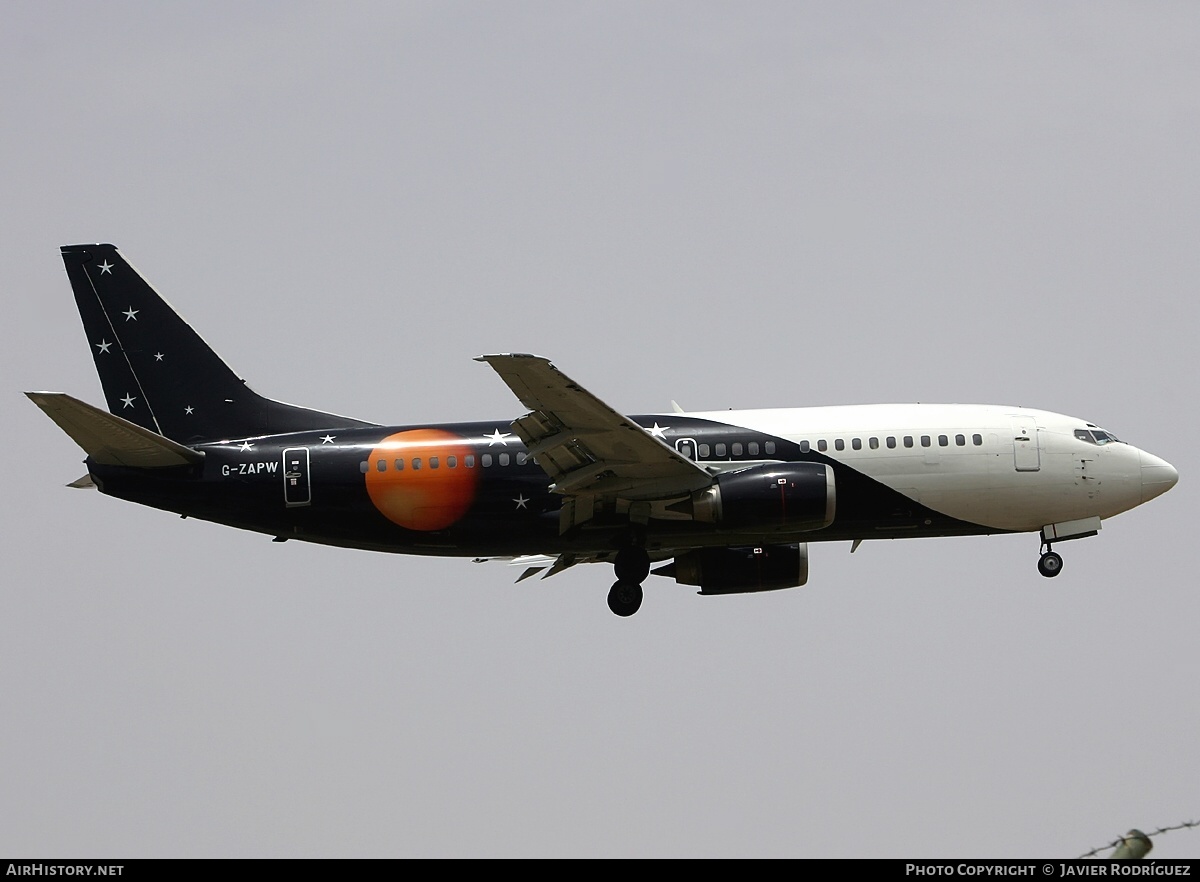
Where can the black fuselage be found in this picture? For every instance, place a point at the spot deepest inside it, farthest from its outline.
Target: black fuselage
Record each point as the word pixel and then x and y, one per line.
pixel 476 495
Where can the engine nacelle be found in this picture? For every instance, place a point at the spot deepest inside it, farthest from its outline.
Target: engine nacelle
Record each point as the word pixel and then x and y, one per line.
pixel 784 496
pixel 741 570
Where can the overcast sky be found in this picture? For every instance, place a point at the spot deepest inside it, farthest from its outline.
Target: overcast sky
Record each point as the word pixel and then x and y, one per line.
pixel 729 205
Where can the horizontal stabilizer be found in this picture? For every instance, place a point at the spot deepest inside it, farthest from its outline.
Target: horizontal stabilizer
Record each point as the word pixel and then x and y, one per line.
pixel 110 440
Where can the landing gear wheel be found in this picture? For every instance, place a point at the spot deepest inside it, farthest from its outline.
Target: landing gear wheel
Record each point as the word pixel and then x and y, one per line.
pixel 632 565
pixel 625 598
pixel 1050 564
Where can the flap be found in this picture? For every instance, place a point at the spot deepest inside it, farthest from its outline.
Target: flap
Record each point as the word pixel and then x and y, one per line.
pixel 586 447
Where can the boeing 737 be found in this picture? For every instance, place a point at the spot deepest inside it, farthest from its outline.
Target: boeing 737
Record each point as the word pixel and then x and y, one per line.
pixel 725 501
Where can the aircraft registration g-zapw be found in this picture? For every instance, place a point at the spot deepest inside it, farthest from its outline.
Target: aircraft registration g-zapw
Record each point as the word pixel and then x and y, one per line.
pixel 725 501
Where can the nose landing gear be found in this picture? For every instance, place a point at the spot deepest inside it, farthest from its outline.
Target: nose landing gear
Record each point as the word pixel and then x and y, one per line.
pixel 632 566
pixel 1051 563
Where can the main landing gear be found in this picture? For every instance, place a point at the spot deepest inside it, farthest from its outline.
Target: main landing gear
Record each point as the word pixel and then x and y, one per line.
pixel 1051 562
pixel 632 566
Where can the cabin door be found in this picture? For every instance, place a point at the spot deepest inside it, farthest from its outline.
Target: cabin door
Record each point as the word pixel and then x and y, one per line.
pixel 297 485
pixel 1027 456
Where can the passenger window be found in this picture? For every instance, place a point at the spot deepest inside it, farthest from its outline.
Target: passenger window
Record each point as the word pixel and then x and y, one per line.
pixel 908 440
pixel 805 447
pixel 943 441
pixel 720 450
pixel 364 466
pixel 381 465
pixel 704 451
pixel 752 448
pixel 856 444
pixel 822 445
pixel 451 462
pixel 521 457
pixel 960 440
pixel 469 460
pixel 433 462
pixel 486 460
pixel 770 447
pixel 977 440
pixel 737 448
pixel 399 465
pixel 874 443
pixel 504 459
pixel 891 442
pixel 416 463
pixel 925 441
pixel 839 444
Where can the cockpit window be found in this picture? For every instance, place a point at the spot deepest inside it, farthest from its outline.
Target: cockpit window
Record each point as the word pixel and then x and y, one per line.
pixel 1096 435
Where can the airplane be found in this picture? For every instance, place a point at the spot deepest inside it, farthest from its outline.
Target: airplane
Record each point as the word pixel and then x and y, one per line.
pixel 724 501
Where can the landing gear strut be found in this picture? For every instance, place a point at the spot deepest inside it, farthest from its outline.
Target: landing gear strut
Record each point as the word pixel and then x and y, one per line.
pixel 1050 564
pixel 632 566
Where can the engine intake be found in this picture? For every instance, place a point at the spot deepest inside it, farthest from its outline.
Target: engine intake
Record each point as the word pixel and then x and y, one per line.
pixel 784 496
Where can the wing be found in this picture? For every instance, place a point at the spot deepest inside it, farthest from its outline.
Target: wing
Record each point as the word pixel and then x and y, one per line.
pixel 590 452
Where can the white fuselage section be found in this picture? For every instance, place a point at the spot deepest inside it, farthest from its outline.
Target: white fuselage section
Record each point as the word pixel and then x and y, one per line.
pixel 1007 468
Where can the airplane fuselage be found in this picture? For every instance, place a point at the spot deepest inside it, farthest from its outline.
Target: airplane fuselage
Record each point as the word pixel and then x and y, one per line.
pixel 472 489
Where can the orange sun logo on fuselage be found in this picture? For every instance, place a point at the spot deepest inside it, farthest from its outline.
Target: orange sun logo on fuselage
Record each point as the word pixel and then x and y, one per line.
pixel 420 478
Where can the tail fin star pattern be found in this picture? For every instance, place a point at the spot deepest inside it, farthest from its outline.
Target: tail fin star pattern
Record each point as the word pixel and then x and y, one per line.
pixel 157 372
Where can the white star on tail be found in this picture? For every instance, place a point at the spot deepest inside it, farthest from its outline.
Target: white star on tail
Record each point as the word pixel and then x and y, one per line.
pixel 498 437
pixel 103 346
pixel 657 431
pixel 158 356
pixel 188 410
pixel 128 400
pixel 131 314
pixel 521 501
pixel 106 267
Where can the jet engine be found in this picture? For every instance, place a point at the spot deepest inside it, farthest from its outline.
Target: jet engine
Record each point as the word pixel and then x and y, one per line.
pixel 785 496
pixel 741 570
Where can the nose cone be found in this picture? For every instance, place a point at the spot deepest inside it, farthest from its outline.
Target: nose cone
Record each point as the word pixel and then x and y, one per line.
pixel 1158 476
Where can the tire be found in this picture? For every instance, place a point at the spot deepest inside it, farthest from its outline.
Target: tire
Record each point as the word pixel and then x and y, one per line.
pixel 1050 564
pixel 625 598
pixel 632 565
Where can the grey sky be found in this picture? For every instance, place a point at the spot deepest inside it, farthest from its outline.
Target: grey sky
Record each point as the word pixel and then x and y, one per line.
pixel 726 205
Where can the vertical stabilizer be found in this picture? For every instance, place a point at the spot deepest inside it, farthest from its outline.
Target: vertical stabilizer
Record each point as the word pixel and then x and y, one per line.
pixel 156 371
